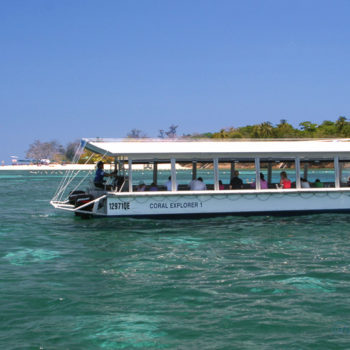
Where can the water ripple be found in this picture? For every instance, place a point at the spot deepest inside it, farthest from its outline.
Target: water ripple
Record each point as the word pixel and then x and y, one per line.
pixel 28 256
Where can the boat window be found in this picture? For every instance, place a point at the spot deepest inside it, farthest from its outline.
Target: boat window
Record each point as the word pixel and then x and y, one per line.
pixel 266 171
pixel 344 167
pixel 202 169
pixel 244 170
pixel 318 173
pixel 225 172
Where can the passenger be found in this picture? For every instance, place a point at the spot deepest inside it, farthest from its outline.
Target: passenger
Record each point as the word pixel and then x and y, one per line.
pixel 221 186
pixel 141 187
pixel 304 183
pixel 285 182
pixel 100 174
pixel 153 187
pixel 168 184
pixel 263 183
pixel 198 185
pixel 190 185
pixel 236 182
pixel 318 183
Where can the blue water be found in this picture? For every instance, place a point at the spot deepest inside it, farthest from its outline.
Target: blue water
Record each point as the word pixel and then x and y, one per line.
pixel 224 283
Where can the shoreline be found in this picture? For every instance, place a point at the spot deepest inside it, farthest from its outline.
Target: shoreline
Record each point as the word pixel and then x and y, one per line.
pixel 86 167
pixel 136 167
pixel 48 167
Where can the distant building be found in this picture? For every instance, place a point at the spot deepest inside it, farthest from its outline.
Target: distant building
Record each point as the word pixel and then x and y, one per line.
pixel 16 161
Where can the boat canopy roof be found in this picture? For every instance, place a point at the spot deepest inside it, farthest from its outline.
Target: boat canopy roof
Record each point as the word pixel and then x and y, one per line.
pixel 199 149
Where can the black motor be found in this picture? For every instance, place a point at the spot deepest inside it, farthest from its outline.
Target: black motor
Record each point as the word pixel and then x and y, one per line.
pixel 82 199
pixel 73 196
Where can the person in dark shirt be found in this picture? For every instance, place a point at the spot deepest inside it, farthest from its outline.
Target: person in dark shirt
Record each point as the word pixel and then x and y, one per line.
pixel 153 187
pixel 100 174
pixel 236 182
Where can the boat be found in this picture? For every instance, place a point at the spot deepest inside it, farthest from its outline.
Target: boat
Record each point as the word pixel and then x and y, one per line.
pixel 297 157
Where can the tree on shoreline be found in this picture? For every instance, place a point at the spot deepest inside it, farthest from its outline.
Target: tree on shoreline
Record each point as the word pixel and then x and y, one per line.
pixel 71 149
pixel 45 150
pixel 136 134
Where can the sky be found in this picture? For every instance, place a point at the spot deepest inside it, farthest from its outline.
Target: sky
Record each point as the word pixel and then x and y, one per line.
pixel 80 68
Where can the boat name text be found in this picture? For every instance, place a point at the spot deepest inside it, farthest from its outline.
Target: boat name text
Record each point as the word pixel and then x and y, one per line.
pixel 178 205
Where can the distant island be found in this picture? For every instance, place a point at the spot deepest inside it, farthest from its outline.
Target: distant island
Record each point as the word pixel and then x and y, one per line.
pixel 53 152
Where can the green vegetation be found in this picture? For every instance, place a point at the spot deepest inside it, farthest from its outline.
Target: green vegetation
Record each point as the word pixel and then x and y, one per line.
pixel 266 130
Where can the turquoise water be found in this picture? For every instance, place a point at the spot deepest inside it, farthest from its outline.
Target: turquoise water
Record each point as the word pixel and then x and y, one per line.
pixel 224 283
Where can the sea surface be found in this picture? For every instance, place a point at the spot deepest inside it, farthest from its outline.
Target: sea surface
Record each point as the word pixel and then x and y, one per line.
pixel 256 282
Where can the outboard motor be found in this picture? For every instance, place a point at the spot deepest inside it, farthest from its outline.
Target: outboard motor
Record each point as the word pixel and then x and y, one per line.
pixel 73 196
pixel 82 199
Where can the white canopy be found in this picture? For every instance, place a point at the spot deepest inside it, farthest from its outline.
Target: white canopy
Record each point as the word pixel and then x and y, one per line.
pixel 186 150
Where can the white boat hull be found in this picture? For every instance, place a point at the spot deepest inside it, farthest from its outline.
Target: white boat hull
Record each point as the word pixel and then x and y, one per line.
pixel 225 202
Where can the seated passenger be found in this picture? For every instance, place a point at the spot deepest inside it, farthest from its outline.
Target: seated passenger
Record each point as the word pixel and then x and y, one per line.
pixel 285 182
pixel 304 183
pixel 236 182
pixel 221 186
pixel 153 187
pixel 141 187
pixel 99 176
pixel 198 185
pixel 263 183
pixel 168 184
pixel 318 183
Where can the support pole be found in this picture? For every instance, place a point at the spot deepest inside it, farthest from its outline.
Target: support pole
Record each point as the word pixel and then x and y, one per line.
pixel 297 173
pixel 116 164
pixel 130 174
pixel 155 172
pixel 216 174
pixel 257 174
pixel 173 174
pixel 306 169
pixel 232 169
pixel 269 172
pixel 341 167
pixel 194 170
pixel 336 172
